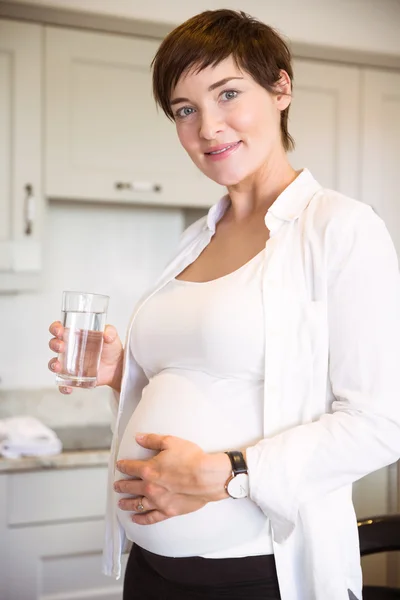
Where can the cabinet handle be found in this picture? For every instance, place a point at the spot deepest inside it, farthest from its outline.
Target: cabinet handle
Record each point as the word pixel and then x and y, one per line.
pixel 138 186
pixel 29 209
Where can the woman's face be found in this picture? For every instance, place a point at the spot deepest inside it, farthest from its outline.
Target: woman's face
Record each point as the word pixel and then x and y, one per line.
pixel 227 123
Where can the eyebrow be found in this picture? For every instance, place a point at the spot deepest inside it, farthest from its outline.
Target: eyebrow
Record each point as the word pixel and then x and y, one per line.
pixel 212 87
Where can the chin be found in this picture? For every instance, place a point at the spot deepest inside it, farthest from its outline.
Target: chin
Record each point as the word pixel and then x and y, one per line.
pixel 222 178
pixel 227 180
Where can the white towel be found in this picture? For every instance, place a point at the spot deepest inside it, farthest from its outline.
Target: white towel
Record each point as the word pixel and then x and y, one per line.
pixel 27 436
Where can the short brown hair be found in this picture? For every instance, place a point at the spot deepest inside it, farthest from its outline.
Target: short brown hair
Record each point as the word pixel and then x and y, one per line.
pixel 209 38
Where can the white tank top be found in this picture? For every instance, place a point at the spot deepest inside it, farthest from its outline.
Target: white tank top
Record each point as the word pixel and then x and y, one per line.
pixel 201 346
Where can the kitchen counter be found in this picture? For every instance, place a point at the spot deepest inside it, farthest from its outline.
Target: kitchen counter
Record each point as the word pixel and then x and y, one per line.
pixel 83 446
pixel 65 460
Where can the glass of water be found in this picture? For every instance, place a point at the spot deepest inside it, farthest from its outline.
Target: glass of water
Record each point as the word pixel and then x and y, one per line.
pixel 84 318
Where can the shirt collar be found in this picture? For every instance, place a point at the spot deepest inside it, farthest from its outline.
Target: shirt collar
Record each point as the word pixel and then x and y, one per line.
pixel 217 211
pixel 287 207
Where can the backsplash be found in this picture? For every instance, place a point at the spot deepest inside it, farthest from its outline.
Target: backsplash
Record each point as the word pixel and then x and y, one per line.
pixel 113 250
pixel 81 408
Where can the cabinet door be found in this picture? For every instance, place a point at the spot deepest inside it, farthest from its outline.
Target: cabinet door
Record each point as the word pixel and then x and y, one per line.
pixel 381 147
pixel 20 149
pixel 60 561
pixel 105 139
pixel 324 121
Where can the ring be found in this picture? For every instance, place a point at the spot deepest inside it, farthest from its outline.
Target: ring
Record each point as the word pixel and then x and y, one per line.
pixel 140 506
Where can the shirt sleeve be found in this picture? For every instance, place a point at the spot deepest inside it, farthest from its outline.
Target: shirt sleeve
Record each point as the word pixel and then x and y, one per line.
pixel 134 380
pixel 362 432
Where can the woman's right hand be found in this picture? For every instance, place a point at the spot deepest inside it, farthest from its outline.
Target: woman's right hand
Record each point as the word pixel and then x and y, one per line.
pixel 111 360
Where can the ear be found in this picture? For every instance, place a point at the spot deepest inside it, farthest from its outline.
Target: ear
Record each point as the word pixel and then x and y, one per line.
pixel 283 91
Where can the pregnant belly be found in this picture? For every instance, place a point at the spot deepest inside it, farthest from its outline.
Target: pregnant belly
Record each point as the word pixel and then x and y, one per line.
pixel 205 411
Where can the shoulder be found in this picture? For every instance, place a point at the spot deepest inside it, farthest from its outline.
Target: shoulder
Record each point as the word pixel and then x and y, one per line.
pixel 330 208
pixel 331 213
pixel 343 226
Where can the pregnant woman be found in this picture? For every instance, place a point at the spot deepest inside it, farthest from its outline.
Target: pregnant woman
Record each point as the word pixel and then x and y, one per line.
pixel 259 378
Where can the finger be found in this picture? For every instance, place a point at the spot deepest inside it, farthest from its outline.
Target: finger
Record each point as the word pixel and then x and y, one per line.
pixel 54 365
pixel 134 487
pixel 140 505
pixel 133 468
pixel 65 390
pixel 57 329
pixel 110 334
pixel 153 441
pixel 149 518
pixel 56 345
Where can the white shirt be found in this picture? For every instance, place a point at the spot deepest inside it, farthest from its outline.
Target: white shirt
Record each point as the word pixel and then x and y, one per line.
pixel 201 346
pixel 331 411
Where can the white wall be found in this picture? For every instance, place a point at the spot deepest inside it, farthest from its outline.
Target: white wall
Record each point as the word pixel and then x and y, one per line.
pixel 369 25
pixel 118 251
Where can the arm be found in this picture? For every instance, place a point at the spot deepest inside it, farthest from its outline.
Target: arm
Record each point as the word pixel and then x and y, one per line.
pixel 362 433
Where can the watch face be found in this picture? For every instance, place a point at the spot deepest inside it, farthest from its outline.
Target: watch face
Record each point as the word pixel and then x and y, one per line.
pixel 238 487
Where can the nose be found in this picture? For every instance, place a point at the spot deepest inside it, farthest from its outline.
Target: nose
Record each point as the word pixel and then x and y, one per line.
pixel 210 125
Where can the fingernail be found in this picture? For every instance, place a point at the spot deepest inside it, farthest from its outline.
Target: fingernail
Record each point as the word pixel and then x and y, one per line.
pixel 52 366
pixel 140 437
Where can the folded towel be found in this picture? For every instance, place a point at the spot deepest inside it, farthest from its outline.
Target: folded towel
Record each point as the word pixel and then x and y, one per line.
pixel 27 436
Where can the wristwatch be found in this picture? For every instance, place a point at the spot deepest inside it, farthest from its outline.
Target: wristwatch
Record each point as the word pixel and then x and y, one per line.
pixel 237 485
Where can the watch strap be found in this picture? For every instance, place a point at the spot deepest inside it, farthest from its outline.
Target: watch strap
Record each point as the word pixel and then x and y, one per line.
pixel 237 461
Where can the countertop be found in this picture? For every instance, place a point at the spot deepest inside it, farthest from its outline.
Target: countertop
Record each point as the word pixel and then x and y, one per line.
pixel 83 446
pixel 65 460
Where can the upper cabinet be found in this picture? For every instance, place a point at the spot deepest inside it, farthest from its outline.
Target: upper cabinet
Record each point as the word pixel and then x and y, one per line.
pixel 21 200
pixel 381 147
pixel 324 121
pixel 105 139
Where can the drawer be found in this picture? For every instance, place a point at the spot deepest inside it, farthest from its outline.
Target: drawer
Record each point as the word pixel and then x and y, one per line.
pixel 48 496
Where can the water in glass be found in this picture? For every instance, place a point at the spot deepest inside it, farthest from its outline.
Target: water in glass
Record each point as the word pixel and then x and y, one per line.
pixel 83 338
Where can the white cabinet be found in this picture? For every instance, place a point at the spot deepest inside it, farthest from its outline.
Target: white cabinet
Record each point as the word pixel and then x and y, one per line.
pixel 105 139
pixel 21 202
pixel 51 532
pixel 324 121
pixel 62 562
pixel 381 147
pixel 104 135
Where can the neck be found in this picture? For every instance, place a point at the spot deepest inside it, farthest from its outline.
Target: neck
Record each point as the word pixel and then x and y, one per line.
pixel 259 191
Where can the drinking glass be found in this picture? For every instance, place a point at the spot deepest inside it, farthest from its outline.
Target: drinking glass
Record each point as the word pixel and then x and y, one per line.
pixel 84 318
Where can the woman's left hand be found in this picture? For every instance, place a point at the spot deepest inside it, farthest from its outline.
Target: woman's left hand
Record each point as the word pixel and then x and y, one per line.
pixel 180 479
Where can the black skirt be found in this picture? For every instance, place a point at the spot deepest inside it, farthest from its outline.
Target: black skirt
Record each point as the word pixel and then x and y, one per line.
pixel 149 576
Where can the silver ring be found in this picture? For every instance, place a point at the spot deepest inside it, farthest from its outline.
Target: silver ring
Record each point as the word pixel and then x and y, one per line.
pixel 140 506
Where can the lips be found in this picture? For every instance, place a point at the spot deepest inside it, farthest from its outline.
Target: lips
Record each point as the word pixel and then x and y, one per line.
pixel 222 148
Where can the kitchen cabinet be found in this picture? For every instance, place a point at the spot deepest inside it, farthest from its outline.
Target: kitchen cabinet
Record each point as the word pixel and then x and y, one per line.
pixel 105 139
pixel 51 532
pixel 381 146
pixel 21 199
pixel 324 121
pixel 105 136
